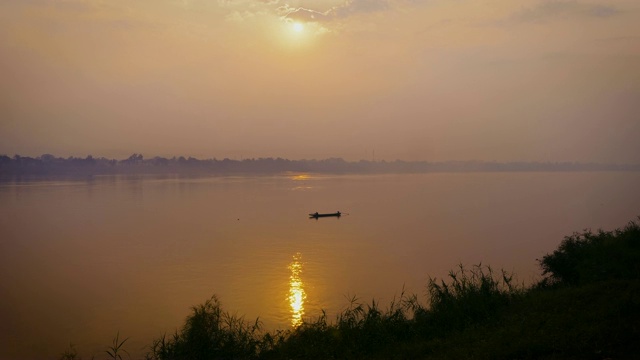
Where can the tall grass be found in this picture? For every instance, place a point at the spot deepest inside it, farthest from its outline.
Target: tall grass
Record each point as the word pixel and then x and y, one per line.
pixel 471 296
pixel 362 329
pixel 366 330
pixel 117 348
pixel 70 354
pixel 210 333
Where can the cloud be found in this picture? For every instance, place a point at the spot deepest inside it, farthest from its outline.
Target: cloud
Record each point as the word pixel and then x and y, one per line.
pixel 343 11
pixel 239 16
pixel 603 11
pixel 304 15
pixel 315 11
pixel 548 10
pixel 354 7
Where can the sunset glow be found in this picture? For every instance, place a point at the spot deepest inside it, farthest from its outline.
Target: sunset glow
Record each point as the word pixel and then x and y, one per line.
pixel 301 177
pixel 160 154
pixel 297 295
pixel 298 27
pixel 414 80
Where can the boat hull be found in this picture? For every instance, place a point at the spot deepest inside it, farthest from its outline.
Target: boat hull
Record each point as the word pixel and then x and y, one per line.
pixel 317 215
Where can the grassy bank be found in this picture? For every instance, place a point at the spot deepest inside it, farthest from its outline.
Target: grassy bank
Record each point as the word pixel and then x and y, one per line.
pixel 587 306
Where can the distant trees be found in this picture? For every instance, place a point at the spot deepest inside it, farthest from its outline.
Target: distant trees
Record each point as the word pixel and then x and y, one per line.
pixel 159 161
pixel 48 164
pixel 134 159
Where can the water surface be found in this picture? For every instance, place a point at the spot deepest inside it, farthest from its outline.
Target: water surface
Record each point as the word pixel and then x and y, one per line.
pixel 83 259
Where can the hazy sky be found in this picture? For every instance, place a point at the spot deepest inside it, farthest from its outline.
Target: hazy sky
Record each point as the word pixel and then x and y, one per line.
pixel 410 79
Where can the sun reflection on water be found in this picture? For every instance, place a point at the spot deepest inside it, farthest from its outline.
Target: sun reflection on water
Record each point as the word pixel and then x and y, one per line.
pixel 297 294
pixel 301 177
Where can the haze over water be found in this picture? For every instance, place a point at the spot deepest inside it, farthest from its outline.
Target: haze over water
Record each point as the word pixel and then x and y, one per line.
pixel 82 260
pixel 535 81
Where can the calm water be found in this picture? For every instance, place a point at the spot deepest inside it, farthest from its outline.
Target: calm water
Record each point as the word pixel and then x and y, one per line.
pixel 82 260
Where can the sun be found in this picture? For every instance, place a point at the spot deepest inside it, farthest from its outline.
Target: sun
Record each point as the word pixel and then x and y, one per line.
pixel 295 34
pixel 298 27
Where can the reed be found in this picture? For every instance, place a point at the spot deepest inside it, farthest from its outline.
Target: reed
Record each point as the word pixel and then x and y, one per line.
pixel 70 354
pixel 471 296
pixel 360 330
pixel 210 333
pixel 116 349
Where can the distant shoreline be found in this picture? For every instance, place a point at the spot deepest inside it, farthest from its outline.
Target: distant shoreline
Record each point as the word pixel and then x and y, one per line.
pixel 49 165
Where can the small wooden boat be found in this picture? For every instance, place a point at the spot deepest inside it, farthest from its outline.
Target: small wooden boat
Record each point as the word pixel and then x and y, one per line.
pixel 318 215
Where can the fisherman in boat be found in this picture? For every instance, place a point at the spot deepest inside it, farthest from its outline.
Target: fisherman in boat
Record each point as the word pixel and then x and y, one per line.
pixel 316 214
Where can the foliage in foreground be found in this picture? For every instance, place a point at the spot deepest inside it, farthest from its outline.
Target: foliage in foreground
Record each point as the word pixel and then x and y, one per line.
pixel 362 330
pixel 210 333
pixel 590 257
pixel 470 297
pixel 587 306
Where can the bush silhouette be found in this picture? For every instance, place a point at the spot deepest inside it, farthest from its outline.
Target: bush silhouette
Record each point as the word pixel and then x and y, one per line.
pixel 588 257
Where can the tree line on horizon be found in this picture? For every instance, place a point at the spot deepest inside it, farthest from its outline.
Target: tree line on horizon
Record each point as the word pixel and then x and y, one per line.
pixel 48 164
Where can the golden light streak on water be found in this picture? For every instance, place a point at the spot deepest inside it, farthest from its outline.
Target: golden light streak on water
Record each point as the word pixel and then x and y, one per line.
pixel 301 177
pixel 297 294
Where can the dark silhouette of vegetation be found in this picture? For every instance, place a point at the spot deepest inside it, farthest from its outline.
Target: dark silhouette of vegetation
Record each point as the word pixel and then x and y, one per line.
pixel 589 257
pixel 587 306
pixel 210 333
pixel 116 349
pixel 49 165
pixel 70 354
pixel 472 296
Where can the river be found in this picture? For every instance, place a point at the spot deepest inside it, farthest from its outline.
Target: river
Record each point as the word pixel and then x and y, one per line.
pixel 84 259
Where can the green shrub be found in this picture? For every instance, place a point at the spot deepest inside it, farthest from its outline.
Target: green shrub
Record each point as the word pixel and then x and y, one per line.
pixel 589 257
